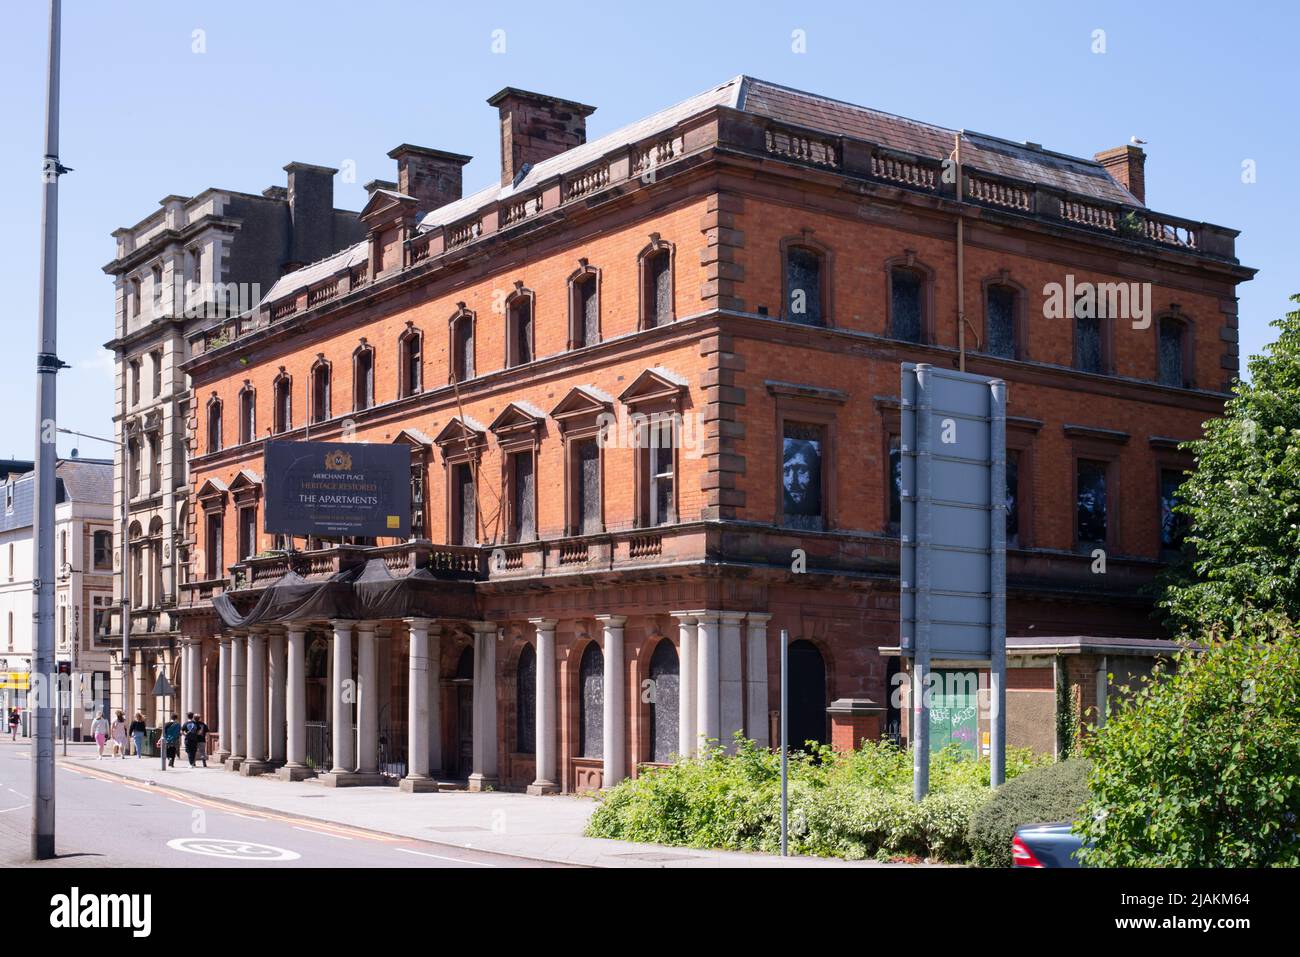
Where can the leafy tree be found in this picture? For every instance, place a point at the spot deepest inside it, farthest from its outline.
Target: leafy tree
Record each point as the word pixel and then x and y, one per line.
pixel 1201 767
pixel 1243 500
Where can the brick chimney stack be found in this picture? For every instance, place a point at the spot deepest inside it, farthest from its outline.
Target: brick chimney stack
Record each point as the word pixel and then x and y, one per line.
pixel 433 177
pixel 311 212
pixel 535 127
pixel 1127 165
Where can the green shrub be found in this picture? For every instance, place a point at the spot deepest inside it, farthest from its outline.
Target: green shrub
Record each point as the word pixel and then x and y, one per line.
pixel 857 805
pixel 1201 766
pixel 1054 792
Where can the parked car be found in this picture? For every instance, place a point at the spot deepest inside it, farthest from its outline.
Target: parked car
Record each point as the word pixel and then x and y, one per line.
pixel 1045 845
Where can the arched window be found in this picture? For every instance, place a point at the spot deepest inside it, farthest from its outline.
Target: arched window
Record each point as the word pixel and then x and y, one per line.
pixel 807 694
pixel 320 391
pixel 907 303
pixel 247 414
pixel 1001 309
pixel 805 285
pixel 591 704
pixel 526 702
pixel 656 283
pixel 214 427
pixel 462 345
pixel 664 702
pixel 155 561
pixel 519 328
pixel 410 350
pixel 1171 361
pixel 136 571
pixel 584 306
pixel 133 453
pixel 283 398
pixel 363 378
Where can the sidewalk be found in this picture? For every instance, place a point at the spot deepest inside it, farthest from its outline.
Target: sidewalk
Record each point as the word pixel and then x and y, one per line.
pixel 539 828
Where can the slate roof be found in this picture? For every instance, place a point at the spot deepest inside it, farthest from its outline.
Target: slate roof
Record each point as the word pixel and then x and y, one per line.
pixel 786 105
pixel 76 480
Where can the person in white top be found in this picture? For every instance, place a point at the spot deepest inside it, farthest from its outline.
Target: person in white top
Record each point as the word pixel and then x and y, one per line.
pixel 99 728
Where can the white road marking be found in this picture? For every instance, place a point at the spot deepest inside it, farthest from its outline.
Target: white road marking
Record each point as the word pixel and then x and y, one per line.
pixel 312 830
pixel 17 808
pixel 194 807
pixel 244 816
pixel 232 850
pixel 454 860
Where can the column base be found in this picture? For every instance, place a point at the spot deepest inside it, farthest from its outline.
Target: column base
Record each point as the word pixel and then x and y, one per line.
pixel 543 787
pixel 481 782
pixel 417 784
pixel 295 772
pixel 233 761
pixel 352 779
pixel 221 757
pixel 253 768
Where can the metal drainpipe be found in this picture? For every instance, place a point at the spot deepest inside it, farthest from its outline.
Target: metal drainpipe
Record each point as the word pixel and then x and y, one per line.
pixel 1103 691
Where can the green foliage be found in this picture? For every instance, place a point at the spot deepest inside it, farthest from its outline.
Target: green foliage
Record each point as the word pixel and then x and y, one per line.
pixel 1243 500
pixel 1041 795
pixel 1201 767
pixel 855 805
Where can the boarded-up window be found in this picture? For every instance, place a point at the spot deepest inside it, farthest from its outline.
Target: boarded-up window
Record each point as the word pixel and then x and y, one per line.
pixel 1087 340
pixel 1091 501
pixel 214 428
pixel 801 476
pixel 464 348
pixel 521 322
pixel 664 701
pixel 523 528
pixel 591 703
pixel 247 410
pixel 1000 327
pixel 283 408
pixel 320 394
pixel 586 307
pixel 659 289
pixel 1173 525
pixel 1171 353
pixel 803 281
pixel 526 702
pixel 363 385
pixel 412 364
pixel 586 470
pixel 905 304
pixel 215 561
pixel 464 511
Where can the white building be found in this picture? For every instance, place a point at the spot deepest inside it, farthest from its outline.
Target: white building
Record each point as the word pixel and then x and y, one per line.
pixel 83 586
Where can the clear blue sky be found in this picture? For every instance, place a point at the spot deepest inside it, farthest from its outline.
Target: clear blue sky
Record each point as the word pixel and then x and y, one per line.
pixel 1207 85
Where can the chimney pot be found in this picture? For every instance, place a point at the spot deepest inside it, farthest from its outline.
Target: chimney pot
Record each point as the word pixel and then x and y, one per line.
pixel 535 127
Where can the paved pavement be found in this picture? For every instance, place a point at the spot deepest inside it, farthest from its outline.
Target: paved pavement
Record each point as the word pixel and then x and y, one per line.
pixel 519 829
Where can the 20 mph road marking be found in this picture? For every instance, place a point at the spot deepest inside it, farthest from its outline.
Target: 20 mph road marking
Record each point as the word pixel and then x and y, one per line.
pixel 232 850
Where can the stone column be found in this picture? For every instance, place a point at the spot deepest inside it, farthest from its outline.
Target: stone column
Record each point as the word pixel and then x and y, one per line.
pixel 367 701
pixel 223 700
pixel 417 710
pixel 435 701
pixel 756 710
pixel 196 702
pixel 296 768
pixel 343 743
pixel 545 780
pixel 238 700
pixel 255 762
pixel 731 679
pixel 687 708
pixel 708 713
pixel 615 768
pixel 277 686
pixel 484 774
pixel 184 702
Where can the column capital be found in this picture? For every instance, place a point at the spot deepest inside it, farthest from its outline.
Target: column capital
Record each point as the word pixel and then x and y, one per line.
pixel 429 625
pixel 734 617
pixel 708 615
pixel 612 621
pixel 344 623
pixel 295 628
pixel 367 627
pixel 484 627
pixel 544 624
pixel 689 617
pixel 759 617
pixel 223 639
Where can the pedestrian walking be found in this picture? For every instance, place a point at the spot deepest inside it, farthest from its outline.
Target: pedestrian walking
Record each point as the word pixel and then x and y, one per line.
pixel 13 724
pixel 191 732
pixel 201 732
pixel 137 731
pixel 170 737
pixel 118 734
pixel 99 731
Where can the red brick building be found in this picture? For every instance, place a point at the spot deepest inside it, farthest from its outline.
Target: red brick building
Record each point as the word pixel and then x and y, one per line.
pixel 739 275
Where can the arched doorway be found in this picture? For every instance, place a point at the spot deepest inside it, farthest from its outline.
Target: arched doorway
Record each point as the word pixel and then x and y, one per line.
pixel 665 680
pixel 463 682
pixel 807 694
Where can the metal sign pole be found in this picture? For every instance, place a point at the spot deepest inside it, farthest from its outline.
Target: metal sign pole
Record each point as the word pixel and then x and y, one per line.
pixel 998 584
pixel 785 742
